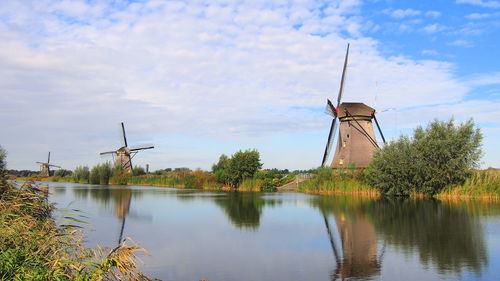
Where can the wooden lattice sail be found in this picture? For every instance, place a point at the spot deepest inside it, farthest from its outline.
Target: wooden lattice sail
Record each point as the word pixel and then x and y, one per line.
pixel 123 156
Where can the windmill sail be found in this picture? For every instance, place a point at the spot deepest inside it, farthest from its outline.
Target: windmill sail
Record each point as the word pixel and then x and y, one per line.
pixel 329 142
pixel 124 155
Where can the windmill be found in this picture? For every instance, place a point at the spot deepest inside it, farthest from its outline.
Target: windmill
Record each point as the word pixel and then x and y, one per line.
pixel 124 154
pixel 356 140
pixel 45 167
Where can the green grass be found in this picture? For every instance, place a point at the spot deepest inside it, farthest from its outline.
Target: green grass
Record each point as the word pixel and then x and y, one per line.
pixel 196 179
pixel 337 181
pixel 482 184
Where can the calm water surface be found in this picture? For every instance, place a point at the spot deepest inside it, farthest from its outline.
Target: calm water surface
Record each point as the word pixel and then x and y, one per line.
pixel 218 236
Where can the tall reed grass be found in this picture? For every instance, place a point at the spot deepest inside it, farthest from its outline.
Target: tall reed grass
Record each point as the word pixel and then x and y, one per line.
pixel 34 247
pixel 337 181
pixel 482 184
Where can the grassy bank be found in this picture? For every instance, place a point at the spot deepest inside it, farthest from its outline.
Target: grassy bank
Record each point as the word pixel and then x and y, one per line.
pixel 483 184
pixel 195 179
pixel 339 181
pixel 34 247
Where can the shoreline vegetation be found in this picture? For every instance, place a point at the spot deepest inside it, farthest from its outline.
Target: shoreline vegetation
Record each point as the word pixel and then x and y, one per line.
pixel 33 246
pixel 438 161
pixel 482 184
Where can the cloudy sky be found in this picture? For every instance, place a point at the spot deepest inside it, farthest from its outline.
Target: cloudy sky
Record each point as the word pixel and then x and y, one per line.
pixel 201 78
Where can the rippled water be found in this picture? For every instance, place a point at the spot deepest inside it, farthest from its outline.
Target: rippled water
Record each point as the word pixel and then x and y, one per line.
pixel 195 235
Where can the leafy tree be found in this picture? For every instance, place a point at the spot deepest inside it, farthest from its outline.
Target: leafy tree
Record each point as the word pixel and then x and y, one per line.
pixel 3 165
pixel 440 155
pixel 241 165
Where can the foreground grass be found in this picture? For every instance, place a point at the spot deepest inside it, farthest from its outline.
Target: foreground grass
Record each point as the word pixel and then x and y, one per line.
pixel 483 184
pixel 34 247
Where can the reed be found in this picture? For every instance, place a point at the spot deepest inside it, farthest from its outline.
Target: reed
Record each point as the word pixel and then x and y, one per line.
pixel 194 179
pixel 34 247
pixel 338 181
pixel 483 184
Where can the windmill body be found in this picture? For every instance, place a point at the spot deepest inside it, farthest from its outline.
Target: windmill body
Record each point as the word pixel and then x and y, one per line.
pixel 356 139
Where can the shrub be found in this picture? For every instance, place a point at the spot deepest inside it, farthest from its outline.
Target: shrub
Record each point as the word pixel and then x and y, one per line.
pixel 100 174
pixel 442 154
pixel 81 174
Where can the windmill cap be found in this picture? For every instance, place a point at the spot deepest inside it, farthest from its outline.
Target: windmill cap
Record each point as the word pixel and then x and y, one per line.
pixel 355 109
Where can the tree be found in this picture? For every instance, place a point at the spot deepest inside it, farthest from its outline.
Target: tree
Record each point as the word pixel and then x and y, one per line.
pixel 440 155
pixel 3 166
pixel 241 165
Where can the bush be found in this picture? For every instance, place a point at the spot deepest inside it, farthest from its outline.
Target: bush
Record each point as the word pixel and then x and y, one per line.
pixel 81 174
pixel 138 171
pixel 100 174
pixel 3 165
pixel 442 154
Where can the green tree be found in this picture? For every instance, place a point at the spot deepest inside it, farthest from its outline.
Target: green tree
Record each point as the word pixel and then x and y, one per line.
pixel 440 155
pixel 138 170
pixel 3 166
pixel 241 165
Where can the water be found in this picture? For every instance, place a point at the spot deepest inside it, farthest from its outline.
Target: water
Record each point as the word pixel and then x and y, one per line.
pixel 195 235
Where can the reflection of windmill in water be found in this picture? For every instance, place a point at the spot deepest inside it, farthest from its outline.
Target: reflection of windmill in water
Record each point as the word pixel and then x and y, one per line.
pixel 357 255
pixel 124 154
pixel 45 167
pixel 356 141
pixel 122 208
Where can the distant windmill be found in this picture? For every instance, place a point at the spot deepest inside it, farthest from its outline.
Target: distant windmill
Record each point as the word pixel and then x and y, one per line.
pixel 356 141
pixel 45 167
pixel 124 154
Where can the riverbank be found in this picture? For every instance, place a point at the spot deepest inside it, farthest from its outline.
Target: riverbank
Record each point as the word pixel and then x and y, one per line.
pixel 34 247
pixel 483 184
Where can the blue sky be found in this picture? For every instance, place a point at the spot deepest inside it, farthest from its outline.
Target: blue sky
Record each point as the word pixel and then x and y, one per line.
pixel 202 78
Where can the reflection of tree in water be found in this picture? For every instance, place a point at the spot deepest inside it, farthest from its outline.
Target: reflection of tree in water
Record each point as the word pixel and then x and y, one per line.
pixel 444 235
pixel 244 208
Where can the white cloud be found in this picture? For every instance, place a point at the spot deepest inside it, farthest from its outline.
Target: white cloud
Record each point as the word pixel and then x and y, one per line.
pixel 221 71
pixel 429 52
pixel 434 28
pixel 480 16
pixel 480 3
pixel 461 43
pixel 399 13
pixel 433 14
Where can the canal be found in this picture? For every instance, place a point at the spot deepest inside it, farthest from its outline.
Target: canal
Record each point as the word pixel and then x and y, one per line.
pixel 220 236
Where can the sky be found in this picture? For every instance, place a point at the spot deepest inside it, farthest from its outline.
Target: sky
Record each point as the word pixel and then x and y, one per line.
pixel 203 78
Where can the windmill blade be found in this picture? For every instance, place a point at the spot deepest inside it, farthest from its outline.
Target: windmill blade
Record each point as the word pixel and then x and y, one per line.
pixel 387 109
pixel 124 136
pixel 329 142
pixel 108 152
pixel 48 159
pixel 50 165
pixel 142 148
pixel 339 98
pixel 42 163
pixel 330 109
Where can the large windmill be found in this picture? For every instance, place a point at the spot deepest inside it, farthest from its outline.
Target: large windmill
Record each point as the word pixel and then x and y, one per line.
pixel 356 141
pixel 45 167
pixel 124 154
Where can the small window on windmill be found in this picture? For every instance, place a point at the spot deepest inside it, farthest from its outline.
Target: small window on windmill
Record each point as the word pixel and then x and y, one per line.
pixel 341 162
pixel 344 143
pixel 347 135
